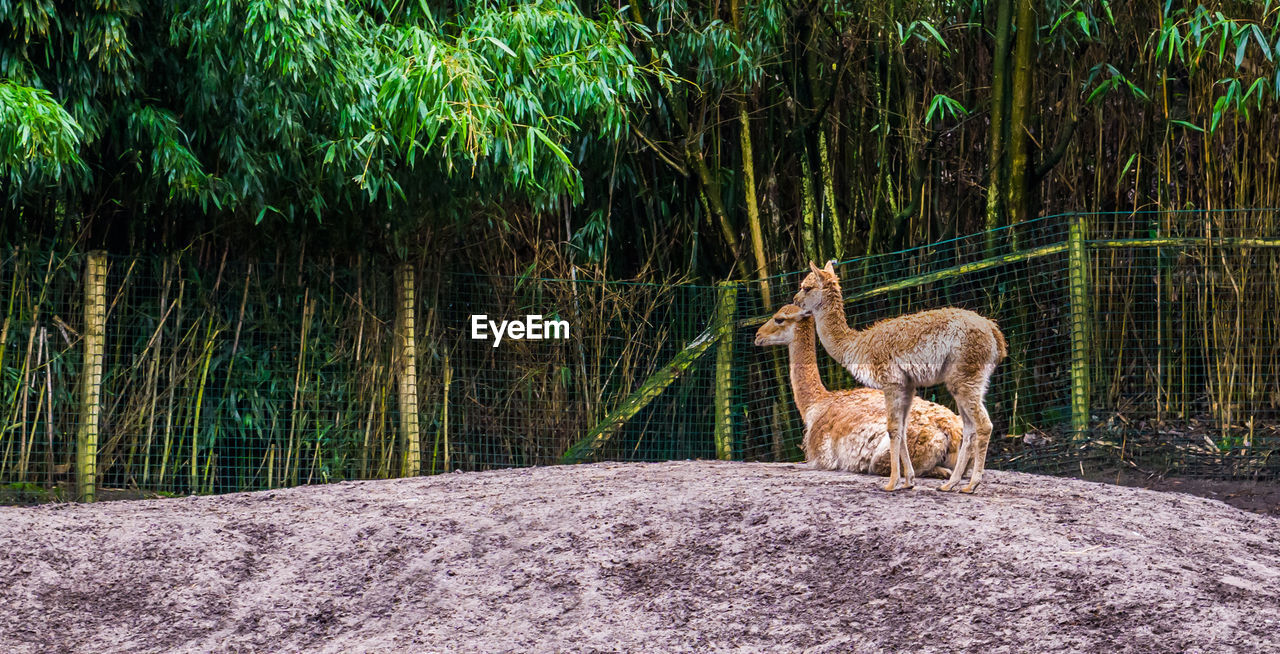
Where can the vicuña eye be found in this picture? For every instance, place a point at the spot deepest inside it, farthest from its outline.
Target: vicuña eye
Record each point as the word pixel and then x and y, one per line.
pixel 778 320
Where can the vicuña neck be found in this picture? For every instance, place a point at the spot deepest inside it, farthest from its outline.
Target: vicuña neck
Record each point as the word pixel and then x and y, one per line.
pixel 833 329
pixel 806 383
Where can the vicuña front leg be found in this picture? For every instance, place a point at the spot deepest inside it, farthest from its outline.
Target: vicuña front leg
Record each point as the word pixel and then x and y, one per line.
pixel 899 457
pixel 894 455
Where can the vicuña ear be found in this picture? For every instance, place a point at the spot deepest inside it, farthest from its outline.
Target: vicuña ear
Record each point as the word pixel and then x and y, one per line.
pixel 831 267
pixel 814 267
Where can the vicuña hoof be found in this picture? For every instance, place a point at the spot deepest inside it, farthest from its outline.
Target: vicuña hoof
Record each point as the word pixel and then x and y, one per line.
pixel 947 486
pixel 969 489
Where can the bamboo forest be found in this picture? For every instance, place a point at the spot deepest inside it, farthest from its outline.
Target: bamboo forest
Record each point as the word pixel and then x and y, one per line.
pixel 248 244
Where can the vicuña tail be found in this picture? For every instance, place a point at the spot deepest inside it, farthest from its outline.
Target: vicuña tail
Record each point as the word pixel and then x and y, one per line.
pixel 1001 347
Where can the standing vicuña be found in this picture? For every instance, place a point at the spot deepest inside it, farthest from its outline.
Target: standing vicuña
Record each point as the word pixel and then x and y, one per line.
pixel 950 346
pixel 845 430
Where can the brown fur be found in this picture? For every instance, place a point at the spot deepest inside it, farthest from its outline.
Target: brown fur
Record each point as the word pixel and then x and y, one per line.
pixel 950 346
pixel 845 430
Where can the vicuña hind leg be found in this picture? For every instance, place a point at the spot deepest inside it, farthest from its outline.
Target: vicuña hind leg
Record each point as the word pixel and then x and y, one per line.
pixel 904 419
pixel 980 441
pixel 966 449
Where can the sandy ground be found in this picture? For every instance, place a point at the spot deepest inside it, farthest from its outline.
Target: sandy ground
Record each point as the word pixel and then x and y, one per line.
pixel 670 557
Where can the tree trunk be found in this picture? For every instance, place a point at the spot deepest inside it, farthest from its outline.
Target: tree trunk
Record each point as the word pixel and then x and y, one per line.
pixel 809 233
pixel 753 207
pixel 711 191
pixel 999 102
pixel 831 216
pixel 1019 116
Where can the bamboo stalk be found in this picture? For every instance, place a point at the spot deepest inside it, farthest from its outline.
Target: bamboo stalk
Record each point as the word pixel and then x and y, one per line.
pixel 443 432
pixel 29 441
pixel 1077 260
pixel 408 373
pixel 24 385
pixel 809 228
pixel 173 387
pixel 155 345
pixel 753 207
pixel 270 462
pixel 28 438
pixel 8 315
pixel 95 299
pixel 294 452
pixel 1021 105
pixel 48 387
pixel 211 336
pixel 832 215
pixel 368 423
pixel 726 305
pixel 998 103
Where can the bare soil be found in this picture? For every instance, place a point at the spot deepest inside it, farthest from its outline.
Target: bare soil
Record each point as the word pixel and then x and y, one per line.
pixel 670 557
pixel 1255 496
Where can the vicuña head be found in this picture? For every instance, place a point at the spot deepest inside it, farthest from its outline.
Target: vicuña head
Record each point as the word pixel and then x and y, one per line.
pixel 781 329
pixel 819 288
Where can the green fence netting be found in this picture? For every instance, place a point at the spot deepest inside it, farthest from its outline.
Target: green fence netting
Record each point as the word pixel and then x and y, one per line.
pixel 1136 340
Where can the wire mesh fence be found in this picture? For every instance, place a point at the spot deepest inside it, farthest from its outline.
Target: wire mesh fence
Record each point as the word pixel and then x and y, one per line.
pixel 1151 344
pixel 224 376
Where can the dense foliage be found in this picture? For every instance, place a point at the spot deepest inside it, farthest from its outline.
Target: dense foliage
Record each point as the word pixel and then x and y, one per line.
pixel 665 139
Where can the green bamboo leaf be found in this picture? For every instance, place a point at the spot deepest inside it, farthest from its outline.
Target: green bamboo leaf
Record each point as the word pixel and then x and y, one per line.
pixel 1058 22
pixel 1258 86
pixel 1137 92
pixel 1218 107
pixel 1124 171
pixel 934 33
pixel 501 45
pixel 1262 41
pixel 555 149
pixel 1187 125
pixel 1102 88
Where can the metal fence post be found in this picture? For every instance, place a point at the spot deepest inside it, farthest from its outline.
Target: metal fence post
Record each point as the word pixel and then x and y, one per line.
pixel 405 310
pixel 726 308
pixel 1078 273
pixel 95 313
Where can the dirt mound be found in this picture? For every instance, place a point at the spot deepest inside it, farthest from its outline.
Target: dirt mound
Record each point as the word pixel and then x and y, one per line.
pixel 682 556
